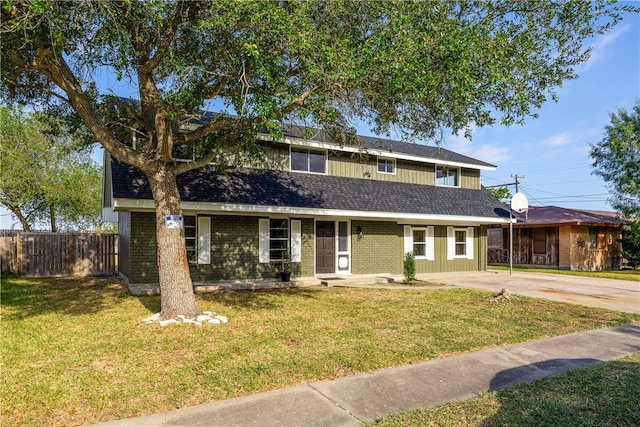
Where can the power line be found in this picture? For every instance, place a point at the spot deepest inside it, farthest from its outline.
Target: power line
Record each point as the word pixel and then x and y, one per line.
pixel 516 177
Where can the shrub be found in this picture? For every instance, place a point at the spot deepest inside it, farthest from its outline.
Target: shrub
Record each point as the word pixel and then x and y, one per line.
pixel 409 267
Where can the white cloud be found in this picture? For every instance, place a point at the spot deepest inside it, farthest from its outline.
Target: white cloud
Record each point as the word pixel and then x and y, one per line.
pixel 600 48
pixel 558 140
pixel 487 152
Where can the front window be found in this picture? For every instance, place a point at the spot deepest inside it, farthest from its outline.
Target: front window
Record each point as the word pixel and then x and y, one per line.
pixel 420 242
pixel 447 176
pixel 278 238
pixel 386 166
pixel 190 238
pixel 308 160
pixel 461 242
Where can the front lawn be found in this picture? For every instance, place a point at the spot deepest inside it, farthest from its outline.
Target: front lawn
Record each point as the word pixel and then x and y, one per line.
pixel 76 351
pixel 601 395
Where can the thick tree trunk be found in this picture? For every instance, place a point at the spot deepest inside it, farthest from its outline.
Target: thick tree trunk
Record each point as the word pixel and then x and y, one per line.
pixel 176 288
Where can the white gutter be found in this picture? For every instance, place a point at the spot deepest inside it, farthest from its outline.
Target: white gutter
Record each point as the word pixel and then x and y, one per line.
pixel 230 208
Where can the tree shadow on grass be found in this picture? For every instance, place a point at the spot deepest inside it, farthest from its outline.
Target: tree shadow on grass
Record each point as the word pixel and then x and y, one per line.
pixel 267 299
pixel 271 299
pixel 604 394
pixel 27 297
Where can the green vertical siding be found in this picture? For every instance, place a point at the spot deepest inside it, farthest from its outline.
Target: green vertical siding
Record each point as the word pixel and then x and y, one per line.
pixel 277 156
pixel 367 167
pixel 355 165
pixel 470 178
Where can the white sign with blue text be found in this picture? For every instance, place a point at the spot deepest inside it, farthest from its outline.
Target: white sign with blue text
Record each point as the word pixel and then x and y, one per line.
pixel 173 222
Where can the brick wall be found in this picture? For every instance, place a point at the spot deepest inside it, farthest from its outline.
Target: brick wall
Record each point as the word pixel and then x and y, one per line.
pixel 380 248
pixel 143 249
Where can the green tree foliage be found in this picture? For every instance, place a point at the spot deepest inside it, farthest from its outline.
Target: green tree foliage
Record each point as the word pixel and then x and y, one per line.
pixel 43 176
pixel 616 158
pixel 420 67
pixel 501 193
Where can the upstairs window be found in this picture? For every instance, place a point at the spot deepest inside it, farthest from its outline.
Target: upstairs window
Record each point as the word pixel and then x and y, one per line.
pixel 386 166
pixel 447 176
pixel 308 160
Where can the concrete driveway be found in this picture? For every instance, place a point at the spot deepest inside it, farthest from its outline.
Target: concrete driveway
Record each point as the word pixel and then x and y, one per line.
pixel 621 295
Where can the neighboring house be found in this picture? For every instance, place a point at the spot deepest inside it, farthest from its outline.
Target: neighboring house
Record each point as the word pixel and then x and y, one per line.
pixel 338 210
pixel 567 239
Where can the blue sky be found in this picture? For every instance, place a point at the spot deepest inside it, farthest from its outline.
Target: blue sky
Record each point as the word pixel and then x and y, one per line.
pixel 551 152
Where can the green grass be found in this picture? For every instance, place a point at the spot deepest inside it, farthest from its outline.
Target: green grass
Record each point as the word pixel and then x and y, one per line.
pixel 76 351
pixel 633 275
pixel 601 395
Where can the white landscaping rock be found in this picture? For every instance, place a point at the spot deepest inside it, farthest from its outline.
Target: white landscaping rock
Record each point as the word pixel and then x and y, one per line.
pixel 168 321
pixel 152 318
pixel 206 317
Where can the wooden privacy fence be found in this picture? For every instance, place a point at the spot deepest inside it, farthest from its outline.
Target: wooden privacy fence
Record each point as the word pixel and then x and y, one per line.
pixel 59 254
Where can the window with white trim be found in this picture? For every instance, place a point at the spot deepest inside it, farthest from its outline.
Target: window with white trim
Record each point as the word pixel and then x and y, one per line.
pixel 460 243
pixel 190 238
pixel 420 241
pixel 308 160
pixel 387 166
pixel 447 176
pixel 276 235
pixel 278 238
pixel 197 236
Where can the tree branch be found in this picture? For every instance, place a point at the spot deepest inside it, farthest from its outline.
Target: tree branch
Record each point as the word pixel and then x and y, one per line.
pixel 169 32
pixel 57 71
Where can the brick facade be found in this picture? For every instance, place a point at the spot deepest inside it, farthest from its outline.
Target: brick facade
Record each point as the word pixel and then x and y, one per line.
pixel 234 250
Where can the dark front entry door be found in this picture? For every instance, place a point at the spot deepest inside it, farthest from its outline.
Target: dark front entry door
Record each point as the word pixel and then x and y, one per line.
pixel 325 247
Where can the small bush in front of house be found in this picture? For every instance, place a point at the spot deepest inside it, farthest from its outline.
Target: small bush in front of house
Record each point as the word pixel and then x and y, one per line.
pixel 409 267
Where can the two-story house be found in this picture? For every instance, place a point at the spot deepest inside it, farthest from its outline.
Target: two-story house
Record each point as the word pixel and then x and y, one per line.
pixel 338 210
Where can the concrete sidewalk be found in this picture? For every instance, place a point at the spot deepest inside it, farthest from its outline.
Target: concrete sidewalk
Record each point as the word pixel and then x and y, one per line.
pixel 365 398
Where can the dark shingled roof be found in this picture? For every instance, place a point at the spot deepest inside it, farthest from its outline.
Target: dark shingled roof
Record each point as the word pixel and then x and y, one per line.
pixel 284 189
pixel 554 215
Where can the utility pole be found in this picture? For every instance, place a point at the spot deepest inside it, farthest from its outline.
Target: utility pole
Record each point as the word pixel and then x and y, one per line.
pixel 517 177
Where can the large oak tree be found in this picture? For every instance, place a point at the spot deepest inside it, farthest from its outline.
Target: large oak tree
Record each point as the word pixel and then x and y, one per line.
pixel 418 67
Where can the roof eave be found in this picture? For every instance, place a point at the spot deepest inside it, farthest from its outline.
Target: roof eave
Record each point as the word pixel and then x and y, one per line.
pixel 147 205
